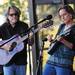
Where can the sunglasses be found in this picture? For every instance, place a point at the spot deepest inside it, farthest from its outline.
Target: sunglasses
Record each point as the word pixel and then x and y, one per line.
pixel 13 14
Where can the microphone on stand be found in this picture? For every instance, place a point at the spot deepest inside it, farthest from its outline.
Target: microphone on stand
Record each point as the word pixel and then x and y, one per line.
pixel 46 18
pixel 49 21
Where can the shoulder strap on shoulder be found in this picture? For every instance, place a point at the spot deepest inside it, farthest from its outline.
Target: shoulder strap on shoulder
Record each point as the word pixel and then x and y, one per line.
pixel 60 28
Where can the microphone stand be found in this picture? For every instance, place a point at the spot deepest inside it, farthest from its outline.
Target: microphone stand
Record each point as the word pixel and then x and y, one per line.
pixel 29 55
pixel 41 51
pixel 40 64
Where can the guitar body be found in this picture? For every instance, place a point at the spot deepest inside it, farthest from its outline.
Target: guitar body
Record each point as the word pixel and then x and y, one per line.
pixel 53 47
pixel 6 55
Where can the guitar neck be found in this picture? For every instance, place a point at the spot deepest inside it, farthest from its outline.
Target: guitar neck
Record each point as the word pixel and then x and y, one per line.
pixel 34 31
pixel 21 39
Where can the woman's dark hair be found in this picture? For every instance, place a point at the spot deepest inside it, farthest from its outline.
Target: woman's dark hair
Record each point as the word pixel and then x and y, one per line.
pixel 18 12
pixel 69 9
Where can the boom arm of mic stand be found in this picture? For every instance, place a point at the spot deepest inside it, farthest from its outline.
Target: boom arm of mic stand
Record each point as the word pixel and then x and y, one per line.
pixel 30 29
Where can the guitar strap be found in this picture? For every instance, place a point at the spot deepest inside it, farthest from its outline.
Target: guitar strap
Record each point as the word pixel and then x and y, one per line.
pixel 60 28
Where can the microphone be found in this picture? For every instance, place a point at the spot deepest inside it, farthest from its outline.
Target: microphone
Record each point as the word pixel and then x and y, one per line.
pixel 46 18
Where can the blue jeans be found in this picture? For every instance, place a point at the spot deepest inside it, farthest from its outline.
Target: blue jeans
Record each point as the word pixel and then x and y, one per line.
pixel 14 70
pixel 56 70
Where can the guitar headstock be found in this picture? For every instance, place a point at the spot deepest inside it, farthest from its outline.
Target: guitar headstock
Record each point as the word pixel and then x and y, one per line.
pixel 47 24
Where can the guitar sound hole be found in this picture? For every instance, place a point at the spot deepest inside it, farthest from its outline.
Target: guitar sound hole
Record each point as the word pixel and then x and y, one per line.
pixel 13 45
